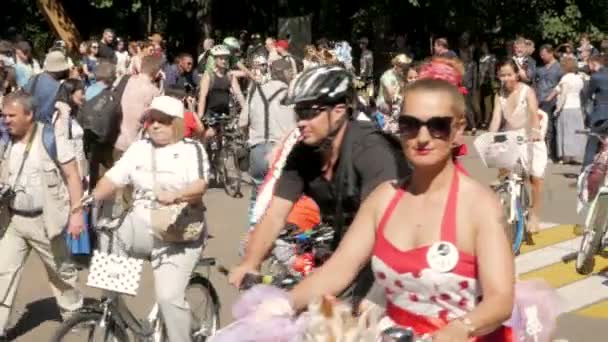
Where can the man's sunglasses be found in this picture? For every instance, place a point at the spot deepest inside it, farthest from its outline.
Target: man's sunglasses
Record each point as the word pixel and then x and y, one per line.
pixel 440 127
pixel 308 113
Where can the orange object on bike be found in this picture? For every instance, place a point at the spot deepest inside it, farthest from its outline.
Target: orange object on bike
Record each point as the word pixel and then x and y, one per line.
pixel 305 214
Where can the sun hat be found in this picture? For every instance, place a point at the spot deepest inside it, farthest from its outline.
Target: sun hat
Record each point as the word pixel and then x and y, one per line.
pixel 55 61
pixel 168 105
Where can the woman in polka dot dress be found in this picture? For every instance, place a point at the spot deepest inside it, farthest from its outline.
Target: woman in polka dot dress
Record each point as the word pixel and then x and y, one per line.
pixel 436 241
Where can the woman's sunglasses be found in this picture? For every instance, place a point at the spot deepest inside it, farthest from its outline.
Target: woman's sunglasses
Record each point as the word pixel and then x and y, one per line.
pixel 440 127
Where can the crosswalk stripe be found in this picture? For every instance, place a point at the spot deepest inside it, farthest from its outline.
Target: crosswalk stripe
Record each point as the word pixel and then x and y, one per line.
pixel 561 274
pixel 549 237
pixel 545 256
pixel 547 225
pixel 584 293
pixel 596 310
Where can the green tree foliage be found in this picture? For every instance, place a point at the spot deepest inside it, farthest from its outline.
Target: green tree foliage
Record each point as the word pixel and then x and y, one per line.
pixel 566 25
pixel 186 22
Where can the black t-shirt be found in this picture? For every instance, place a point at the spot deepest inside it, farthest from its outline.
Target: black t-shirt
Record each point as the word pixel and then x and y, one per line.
pixel 106 52
pixel 367 159
pixel 218 97
pixel 374 160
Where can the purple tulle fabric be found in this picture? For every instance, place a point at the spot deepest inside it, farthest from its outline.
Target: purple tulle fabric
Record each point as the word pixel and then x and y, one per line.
pixel 535 311
pixel 248 328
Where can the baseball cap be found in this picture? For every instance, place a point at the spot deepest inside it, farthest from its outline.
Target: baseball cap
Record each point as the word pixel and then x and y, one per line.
pixel 168 105
pixel 284 44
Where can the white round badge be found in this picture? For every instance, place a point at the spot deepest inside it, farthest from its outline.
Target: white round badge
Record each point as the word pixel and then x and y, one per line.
pixel 442 256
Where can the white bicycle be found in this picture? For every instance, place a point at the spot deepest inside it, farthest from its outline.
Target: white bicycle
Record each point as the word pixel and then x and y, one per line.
pixel 109 319
pixel 502 151
pixel 593 191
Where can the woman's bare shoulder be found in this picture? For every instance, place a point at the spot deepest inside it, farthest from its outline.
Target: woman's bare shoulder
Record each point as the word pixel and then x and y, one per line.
pixel 383 194
pixel 478 196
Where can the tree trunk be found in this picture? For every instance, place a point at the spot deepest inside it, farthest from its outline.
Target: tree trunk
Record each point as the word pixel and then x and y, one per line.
pixel 149 18
pixel 60 22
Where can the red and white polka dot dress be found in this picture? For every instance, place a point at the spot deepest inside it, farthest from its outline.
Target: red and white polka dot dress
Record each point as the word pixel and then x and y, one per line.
pixel 419 296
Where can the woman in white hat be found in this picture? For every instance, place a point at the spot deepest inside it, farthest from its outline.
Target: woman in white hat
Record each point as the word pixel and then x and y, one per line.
pixel 166 222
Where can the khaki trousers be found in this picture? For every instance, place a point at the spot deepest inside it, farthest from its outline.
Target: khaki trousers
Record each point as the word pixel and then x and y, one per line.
pixel 23 235
pixel 172 264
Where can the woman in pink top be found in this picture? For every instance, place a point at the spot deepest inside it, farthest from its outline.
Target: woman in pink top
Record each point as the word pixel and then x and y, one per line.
pixel 437 240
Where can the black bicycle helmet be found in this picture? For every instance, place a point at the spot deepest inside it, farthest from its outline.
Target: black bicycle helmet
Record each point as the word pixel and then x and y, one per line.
pixel 322 85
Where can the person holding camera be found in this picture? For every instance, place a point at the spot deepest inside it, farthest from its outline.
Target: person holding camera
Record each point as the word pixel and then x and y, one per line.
pixel 40 185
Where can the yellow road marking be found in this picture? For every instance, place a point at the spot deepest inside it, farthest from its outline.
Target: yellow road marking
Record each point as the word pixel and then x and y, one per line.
pixel 560 274
pixel 597 310
pixel 550 237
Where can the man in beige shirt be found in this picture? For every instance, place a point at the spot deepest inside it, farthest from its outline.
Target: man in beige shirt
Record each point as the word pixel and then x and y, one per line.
pixel 46 192
pixel 136 99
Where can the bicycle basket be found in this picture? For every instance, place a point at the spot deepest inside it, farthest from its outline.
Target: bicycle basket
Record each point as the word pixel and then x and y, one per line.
pixel 499 150
pixel 115 273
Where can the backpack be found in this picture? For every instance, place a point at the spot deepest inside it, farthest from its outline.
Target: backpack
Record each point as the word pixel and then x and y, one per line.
pixel 100 117
pixel 48 141
pixel 266 101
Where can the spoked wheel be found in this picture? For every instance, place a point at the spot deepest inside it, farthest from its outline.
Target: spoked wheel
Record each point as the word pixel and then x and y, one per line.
pixel 87 327
pixel 524 203
pixel 514 230
pixel 214 162
pixel 231 171
pixel 204 308
pixel 592 236
pixel 519 229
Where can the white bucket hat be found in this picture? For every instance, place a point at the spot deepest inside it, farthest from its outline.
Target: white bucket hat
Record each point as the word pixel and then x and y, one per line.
pixel 56 61
pixel 168 105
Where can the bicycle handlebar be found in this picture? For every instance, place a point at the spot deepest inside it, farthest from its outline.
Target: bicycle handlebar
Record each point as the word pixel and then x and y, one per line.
pixel 89 200
pixel 589 132
pixel 251 279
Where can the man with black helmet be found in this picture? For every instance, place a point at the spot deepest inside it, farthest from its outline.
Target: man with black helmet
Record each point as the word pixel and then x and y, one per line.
pixel 338 162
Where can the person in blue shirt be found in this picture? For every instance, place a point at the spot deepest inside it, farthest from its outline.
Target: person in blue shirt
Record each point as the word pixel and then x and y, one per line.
pixel 26 65
pixel 104 76
pixel 598 90
pixel 44 86
pixel 442 49
pixel 180 73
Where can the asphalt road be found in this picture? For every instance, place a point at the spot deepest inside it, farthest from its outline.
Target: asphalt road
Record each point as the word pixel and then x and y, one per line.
pixel 35 315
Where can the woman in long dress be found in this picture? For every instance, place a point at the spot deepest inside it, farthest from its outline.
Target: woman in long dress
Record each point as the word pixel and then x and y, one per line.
pixel 569 112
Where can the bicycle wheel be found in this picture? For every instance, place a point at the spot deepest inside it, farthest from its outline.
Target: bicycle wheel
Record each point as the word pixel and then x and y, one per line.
pixel 86 327
pixel 204 308
pixel 231 171
pixel 592 236
pixel 520 228
pixel 510 227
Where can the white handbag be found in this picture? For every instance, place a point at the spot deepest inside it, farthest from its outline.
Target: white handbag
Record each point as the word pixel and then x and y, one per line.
pixel 115 273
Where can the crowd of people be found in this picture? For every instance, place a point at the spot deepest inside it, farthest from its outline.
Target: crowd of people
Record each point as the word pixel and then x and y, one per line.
pixel 122 121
